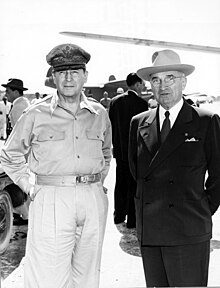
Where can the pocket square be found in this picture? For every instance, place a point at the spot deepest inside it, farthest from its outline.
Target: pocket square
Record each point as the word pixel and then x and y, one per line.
pixel 193 139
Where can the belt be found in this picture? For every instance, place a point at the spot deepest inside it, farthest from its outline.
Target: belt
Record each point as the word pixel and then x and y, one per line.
pixel 70 180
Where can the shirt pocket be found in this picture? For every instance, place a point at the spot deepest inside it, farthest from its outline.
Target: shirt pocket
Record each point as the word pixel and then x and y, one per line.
pixel 95 140
pixel 51 144
pixel 51 136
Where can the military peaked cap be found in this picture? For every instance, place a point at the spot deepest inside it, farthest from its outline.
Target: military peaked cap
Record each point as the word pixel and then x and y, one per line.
pixel 67 56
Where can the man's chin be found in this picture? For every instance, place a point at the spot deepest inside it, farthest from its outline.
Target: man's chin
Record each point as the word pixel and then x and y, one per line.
pixel 68 93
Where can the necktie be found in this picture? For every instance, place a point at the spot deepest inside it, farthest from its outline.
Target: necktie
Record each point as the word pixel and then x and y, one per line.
pixel 165 127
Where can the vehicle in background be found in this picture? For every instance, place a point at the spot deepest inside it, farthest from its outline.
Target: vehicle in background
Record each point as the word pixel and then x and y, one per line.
pixel 197 98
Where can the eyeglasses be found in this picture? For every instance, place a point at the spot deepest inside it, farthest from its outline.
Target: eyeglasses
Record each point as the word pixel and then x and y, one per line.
pixel 168 80
pixel 64 73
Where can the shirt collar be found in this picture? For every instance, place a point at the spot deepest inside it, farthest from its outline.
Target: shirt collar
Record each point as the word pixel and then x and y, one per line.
pixel 133 91
pixel 174 111
pixel 17 100
pixel 84 104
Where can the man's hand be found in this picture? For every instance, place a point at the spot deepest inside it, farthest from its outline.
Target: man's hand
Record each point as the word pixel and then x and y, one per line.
pixel 31 193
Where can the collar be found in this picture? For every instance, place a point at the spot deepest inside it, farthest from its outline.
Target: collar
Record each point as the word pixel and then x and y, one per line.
pixel 174 111
pixel 84 104
pixel 18 99
pixel 133 91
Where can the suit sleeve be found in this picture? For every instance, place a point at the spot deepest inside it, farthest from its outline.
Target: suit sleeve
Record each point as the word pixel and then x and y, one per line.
pixel 132 147
pixel 212 147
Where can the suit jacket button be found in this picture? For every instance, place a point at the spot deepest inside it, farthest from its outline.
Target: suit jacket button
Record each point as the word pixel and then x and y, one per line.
pixel 171 181
pixel 171 205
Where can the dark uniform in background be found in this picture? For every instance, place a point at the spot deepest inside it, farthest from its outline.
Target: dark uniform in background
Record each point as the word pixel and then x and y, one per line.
pixel 122 108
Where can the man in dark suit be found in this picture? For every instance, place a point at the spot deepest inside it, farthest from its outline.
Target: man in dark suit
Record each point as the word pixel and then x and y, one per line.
pixel 175 160
pixel 122 108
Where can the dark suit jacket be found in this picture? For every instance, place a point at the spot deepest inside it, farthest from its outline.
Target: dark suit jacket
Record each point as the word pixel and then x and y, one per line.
pixel 122 108
pixel 175 197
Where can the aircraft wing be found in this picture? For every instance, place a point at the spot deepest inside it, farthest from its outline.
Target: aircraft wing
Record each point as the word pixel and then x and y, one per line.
pixel 146 42
pixel 115 84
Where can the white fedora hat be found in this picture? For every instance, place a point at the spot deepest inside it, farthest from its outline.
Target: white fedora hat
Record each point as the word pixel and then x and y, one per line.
pixel 165 60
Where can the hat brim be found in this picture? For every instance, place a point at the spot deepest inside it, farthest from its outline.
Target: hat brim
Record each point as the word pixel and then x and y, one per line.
pixel 14 86
pixel 68 66
pixel 145 73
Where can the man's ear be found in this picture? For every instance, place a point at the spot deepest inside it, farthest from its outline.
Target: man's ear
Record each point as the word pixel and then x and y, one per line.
pixel 86 76
pixel 53 77
pixel 184 82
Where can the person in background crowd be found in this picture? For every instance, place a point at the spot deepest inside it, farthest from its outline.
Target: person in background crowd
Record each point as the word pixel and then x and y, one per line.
pixel 8 108
pixel 14 94
pixel 68 139
pixel 172 149
pixel 37 98
pixel 122 108
pixel 105 101
pixel 2 120
pixel 119 91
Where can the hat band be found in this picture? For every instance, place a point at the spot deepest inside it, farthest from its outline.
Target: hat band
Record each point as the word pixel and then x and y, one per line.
pixel 69 67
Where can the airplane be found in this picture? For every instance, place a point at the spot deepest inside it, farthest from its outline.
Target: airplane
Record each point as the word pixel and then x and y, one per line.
pixel 112 84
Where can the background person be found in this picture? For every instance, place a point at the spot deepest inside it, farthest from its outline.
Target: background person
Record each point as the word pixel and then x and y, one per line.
pixel 14 93
pixel 37 98
pixel 8 108
pixel 122 108
pixel 119 91
pixel 2 120
pixel 171 149
pixel 68 138
pixel 105 101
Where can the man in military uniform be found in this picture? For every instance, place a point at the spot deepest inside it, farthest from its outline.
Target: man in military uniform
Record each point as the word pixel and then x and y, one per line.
pixel 68 140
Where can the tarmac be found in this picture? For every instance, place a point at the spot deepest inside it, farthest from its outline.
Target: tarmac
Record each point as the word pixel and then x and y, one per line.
pixel 121 265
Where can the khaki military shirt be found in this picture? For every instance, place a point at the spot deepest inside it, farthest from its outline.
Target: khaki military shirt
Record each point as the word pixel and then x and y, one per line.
pixel 58 142
pixel 19 105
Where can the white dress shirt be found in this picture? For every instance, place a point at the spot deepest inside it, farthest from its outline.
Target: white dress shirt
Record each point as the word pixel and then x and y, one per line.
pixel 174 111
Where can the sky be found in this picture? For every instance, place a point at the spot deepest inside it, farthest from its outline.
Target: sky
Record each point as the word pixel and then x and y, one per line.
pixel 29 29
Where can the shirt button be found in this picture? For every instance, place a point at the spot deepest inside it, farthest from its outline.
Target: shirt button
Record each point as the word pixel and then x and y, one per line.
pixel 78 156
pixel 98 136
pixel 77 137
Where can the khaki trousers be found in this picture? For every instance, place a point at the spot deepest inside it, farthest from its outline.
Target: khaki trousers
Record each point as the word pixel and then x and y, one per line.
pixel 65 236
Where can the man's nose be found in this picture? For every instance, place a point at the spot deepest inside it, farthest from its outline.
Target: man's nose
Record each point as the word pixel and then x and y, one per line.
pixel 163 84
pixel 68 75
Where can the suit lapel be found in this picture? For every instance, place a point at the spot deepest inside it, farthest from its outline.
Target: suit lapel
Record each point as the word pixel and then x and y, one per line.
pixel 179 132
pixel 148 132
